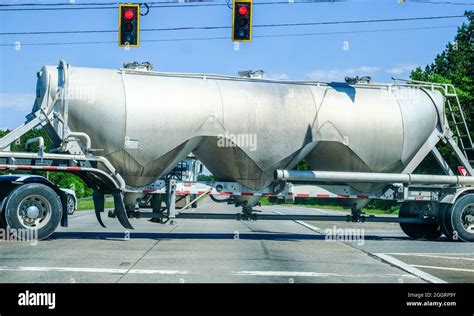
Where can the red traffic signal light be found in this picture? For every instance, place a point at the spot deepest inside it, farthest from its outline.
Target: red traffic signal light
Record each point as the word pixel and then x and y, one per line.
pixel 129 25
pixel 128 14
pixel 242 21
pixel 243 10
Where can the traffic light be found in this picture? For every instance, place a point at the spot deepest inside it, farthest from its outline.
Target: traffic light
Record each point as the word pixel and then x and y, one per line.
pixel 129 25
pixel 242 21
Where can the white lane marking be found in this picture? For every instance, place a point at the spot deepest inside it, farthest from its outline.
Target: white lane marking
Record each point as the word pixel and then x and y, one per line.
pixel 317 274
pixel 431 256
pixel 310 208
pixel 442 268
pixel 427 253
pixel 92 270
pixel 310 227
pixel 323 211
pixel 402 265
pixel 171 272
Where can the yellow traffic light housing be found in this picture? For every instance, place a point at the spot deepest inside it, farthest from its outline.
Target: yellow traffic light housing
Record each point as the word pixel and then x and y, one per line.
pixel 129 25
pixel 242 21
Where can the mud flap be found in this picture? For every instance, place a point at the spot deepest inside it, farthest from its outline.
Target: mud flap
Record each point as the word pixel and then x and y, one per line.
pixel 64 217
pixel 99 206
pixel 120 211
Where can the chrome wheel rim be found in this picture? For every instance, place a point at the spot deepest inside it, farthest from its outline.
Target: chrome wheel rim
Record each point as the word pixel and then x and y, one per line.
pixel 467 218
pixel 34 211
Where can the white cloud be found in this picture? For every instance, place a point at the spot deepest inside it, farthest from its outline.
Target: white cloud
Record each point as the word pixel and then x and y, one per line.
pixel 17 101
pixel 401 69
pixel 338 74
pixel 278 76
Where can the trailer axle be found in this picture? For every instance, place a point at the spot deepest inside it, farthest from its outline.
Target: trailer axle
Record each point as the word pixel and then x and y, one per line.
pixel 276 217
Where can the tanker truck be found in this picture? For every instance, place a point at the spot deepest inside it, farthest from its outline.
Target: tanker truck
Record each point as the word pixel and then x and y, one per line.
pixel 122 131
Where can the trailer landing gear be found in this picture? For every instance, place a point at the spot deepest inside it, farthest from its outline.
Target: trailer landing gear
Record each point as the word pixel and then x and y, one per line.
pixel 247 214
pixel 357 216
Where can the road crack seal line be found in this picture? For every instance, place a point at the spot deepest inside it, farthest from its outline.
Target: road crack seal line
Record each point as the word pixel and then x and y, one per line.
pixel 400 265
pixel 142 256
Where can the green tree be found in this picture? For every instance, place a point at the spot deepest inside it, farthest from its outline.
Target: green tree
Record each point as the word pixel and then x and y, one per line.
pixel 302 165
pixel 455 65
pixel 61 179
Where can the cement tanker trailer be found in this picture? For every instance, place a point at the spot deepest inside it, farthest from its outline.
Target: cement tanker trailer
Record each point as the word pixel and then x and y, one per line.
pixel 121 130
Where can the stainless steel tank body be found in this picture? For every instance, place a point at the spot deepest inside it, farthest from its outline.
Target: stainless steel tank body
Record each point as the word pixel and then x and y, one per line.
pixel 243 129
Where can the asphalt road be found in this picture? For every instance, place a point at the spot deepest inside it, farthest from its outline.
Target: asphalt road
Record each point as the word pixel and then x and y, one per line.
pixel 196 250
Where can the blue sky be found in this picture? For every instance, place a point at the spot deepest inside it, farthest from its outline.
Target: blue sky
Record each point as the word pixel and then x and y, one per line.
pixel 323 57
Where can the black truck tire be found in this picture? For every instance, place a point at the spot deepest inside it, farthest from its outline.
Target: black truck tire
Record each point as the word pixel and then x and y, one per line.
pixel 35 209
pixel 430 231
pixel 462 218
pixel 445 222
pixel 2 224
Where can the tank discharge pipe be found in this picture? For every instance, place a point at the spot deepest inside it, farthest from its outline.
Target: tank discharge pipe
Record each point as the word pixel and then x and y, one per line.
pixel 39 140
pixel 369 177
pixel 82 136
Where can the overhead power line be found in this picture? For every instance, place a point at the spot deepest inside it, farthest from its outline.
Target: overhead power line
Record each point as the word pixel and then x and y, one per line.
pixel 69 4
pixel 72 4
pixel 174 4
pixel 107 3
pixel 228 27
pixel 440 2
pixel 153 4
pixel 227 38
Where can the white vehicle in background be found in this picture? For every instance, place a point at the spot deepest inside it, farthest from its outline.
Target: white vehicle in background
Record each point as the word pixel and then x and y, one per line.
pixel 71 200
pixel 187 170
